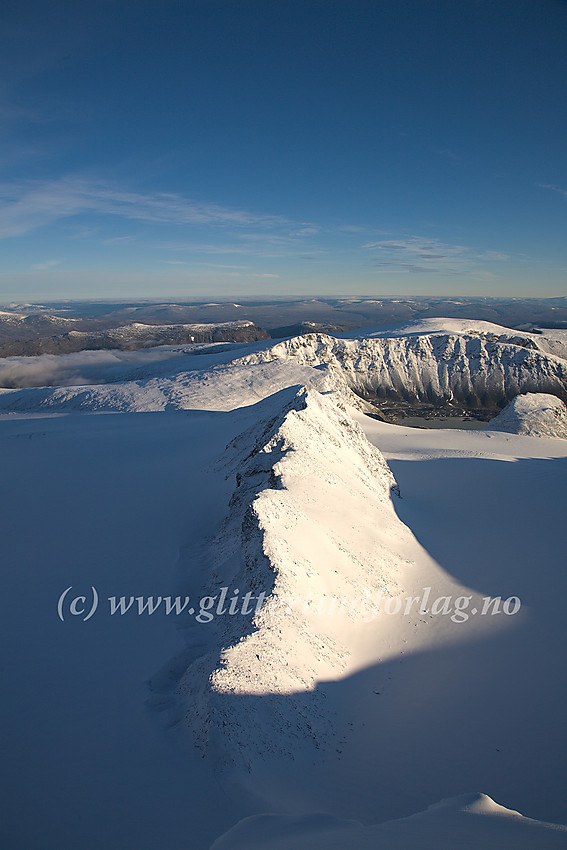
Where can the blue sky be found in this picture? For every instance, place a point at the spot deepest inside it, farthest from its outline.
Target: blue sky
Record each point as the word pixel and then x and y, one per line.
pixel 279 147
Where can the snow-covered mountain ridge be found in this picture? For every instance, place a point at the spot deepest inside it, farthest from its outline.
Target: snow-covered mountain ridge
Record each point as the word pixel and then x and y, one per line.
pixel 283 535
pixel 132 337
pixel 321 563
pixel 473 369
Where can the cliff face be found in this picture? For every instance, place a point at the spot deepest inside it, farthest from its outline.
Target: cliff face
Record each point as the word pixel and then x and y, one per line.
pixel 476 370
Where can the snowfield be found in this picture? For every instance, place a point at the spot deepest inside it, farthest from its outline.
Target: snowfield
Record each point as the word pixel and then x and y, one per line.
pixel 368 686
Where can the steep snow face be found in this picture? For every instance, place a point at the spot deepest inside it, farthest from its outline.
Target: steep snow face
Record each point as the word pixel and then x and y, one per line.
pixel 468 822
pixel 535 415
pixel 474 370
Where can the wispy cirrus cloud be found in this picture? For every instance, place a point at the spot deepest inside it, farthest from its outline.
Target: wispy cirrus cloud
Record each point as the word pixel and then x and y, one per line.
pixel 250 245
pixel 45 265
pixel 412 268
pixel 419 255
pixel 26 206
pixel 501 256
pixel 553 188
pixel 196 231
pixel 119 240
pixel 223 268
pixel 351 228
pixel 418 246
pixel 422 255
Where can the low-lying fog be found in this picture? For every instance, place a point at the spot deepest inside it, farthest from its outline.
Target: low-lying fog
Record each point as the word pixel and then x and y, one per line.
pixel 82 367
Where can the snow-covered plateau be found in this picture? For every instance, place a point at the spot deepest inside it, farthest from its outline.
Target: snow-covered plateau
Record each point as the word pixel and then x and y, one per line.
pixel 371 649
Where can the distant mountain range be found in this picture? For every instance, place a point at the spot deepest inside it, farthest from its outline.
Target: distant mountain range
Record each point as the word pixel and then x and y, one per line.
pixel 64 327
pixel 127 337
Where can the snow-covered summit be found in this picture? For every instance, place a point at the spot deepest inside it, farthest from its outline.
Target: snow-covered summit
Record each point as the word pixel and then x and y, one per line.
pixel 535 415
pixel 549 341
pixel 440 325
